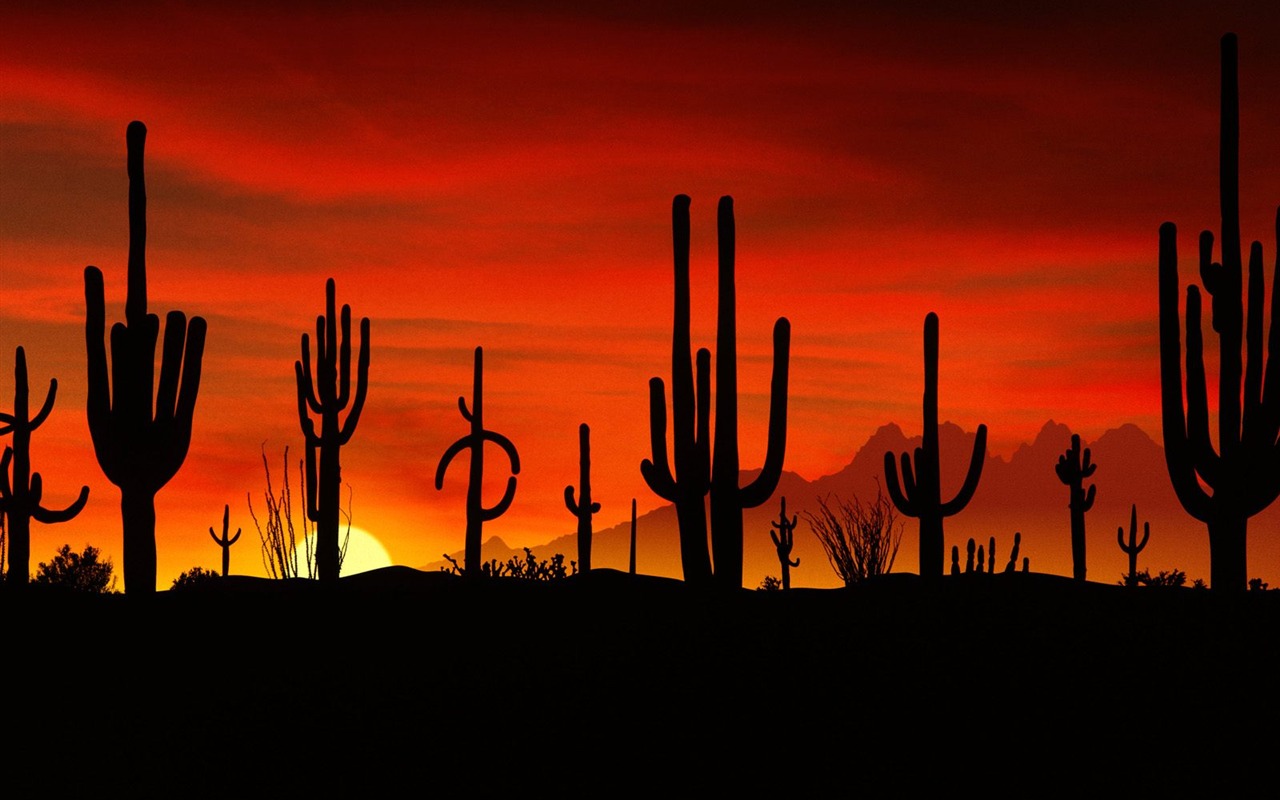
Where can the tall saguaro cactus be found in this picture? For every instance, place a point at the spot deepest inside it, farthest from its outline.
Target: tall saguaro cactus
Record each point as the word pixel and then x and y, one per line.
pixel 692 479
pixel 21 490
pixel 477 514
pixel 329 398
pixel 631 567
pixel 919 494
pixel 1242 472
pixel 140 447
pixel 583 508
pixel 225 541
pixel 1073 468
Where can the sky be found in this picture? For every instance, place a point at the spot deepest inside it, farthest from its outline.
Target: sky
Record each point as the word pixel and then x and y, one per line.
pixel 484 175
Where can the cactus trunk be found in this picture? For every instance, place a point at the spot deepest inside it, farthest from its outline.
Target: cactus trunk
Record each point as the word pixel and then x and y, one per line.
pixel 583 508
pixel 138 511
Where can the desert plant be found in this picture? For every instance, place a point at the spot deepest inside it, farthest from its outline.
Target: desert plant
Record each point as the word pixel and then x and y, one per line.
pixel 280 537
pixel 139 450
pixel 22 490
pixel 974 562
pixel 769 584
pixel 1240 475
pixel 81 572
pixel 1257 585
pixel 1073 468
pixel 223 541
pixel 194 577
pixel 1162 579
pixel 860 539
pixel 329 397
pixel 783 537
pixel 1133 546
pixel 583 508
pixel 632 567
pixel 477 514
pixel 919 494
pixel 696 473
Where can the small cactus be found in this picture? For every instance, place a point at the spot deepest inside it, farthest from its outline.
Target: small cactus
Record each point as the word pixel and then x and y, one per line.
pixel 224 542
pixel 583 508
pixel 1133 546
pixel 783 539
pixel 632 568
pixel 1073 468
pixel 1013 557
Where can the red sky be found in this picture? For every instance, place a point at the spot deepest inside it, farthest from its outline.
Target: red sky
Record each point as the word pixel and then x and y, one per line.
pixel 486 176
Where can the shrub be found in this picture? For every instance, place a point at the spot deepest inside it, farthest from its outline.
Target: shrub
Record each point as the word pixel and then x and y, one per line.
pixel 194 577
pixel 81 572
pixel 860 539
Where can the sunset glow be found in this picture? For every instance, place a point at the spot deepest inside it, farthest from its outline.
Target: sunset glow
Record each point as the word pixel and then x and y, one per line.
pixel 486 177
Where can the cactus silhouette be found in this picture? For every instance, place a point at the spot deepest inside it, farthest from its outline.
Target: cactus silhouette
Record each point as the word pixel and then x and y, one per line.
pixel 584 508
pixel 783 539
pixel 919 494
pixel 21 490
pixel 139 449
pixel 329 397
pixel 477 514
pixel 1073 468
pixel 1013 557
pixel 224 542
pixel 1133 546
pixel 632 568
pixel 1241 472
pixel 692 480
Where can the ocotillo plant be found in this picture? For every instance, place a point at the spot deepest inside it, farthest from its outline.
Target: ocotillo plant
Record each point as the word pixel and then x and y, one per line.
pixel 21 490
pixel 477 514
pixel 632 568
pixel 583 508
pixel 783 539
pixel 1073 468
pixel 139 450
pixel 223 541
pixel 1133 546
pixel 329 397
pixel 1241 472
pixel 687 486
pixel 920 492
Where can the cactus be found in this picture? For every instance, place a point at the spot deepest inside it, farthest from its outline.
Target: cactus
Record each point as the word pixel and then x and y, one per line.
pixel 1133 546
pixel 632 568
pixel 783 540
pixel 692 479
pixel 329 397
pixel 224 542
pixel 1013 557
pixel 477 514
pixel 1073 468
pixel 1241 471
pixel 991 555
pixel 920 492
pixel 968 564
pixel 21 490
pixel 584 508
pixel 955 559
pixel 138 450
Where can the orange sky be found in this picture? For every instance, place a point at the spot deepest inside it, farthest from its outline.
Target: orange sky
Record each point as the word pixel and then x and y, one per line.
pixel 501 178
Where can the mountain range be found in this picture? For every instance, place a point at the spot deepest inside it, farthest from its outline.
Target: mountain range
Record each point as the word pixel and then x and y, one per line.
pixel 1021 493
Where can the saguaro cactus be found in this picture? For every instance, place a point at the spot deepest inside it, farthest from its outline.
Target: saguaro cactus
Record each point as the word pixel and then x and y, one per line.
pixel 1073 468
pixel 477 514
pixel 632 568
pixel 1241 473
pixel 139 449
pixel 692 479
pixel 919 494
pixel 330 396
pixel 223 541
pixel 21 490
pixel 584 508
pixel 1133 546
pixel 783 539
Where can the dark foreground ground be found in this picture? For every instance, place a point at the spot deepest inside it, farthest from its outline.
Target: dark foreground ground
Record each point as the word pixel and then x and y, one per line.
pixel 607 684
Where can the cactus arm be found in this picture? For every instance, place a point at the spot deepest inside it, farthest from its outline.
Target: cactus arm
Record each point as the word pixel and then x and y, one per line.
pixel 657 473
pixel 702 436
pixel 488 514
pixel 1088 498
pixel 506 445
pixel 758 491
pixel 569 503
pixel 170 365
pixel 462 408
pixel 1271 381
pixel 192 366
pixel 1146 534
pixel 454 449
pixel 1205 460
pixel 971 477
pixel 362 379
pixel 302 373
pixel 903 500
pixel 50 516
pixel 43 414
pixel 344 359
pixel 1256 295
pixel 305 381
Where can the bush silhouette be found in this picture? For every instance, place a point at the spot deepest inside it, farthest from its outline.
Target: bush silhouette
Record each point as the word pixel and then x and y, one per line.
pixel 194 577
pixel 81 572
pixel 860 539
